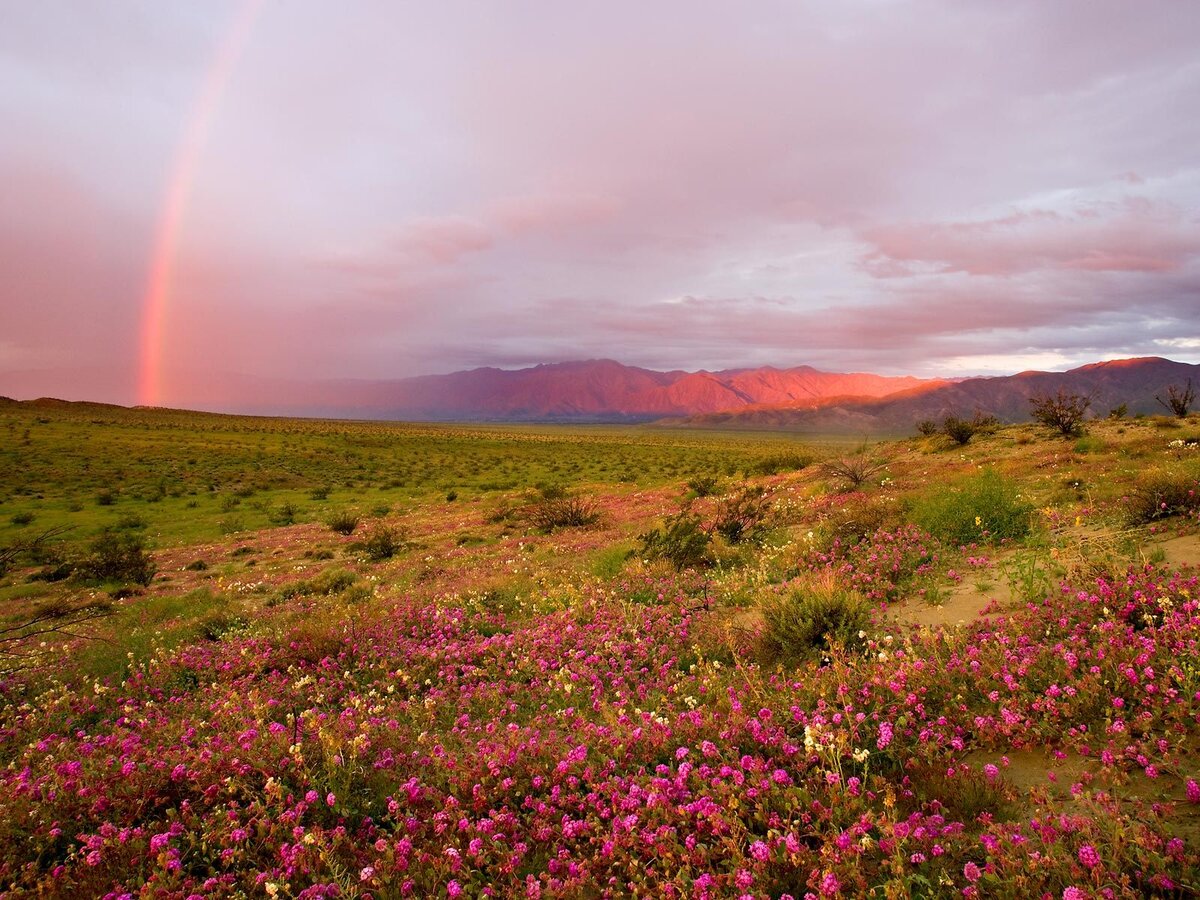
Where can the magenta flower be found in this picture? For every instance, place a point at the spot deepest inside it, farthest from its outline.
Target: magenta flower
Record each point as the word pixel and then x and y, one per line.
pixel 971 872
pixel 1193 791
pixel 1088 856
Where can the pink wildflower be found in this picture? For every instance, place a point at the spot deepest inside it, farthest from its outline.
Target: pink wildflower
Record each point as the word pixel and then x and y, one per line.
pixel 1088 856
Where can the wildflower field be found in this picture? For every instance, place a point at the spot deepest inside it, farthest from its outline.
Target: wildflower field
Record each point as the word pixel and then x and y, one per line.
pixel 275 658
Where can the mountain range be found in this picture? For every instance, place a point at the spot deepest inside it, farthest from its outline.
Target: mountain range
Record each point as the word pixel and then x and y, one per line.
pixel 595 391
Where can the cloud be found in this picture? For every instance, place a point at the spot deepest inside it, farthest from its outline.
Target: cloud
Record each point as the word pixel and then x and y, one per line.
pixel 1134 235
pixel 422 187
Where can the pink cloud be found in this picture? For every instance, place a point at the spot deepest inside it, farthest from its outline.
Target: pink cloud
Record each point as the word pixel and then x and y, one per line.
pixel 1130 236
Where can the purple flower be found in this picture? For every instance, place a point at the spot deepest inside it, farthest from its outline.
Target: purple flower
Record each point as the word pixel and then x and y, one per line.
pixel 1193 791
pixel 971 872
pixel 1088 856
pixel 760 851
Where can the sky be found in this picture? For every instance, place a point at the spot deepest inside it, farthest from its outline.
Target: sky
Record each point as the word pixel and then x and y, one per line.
pixel 286 192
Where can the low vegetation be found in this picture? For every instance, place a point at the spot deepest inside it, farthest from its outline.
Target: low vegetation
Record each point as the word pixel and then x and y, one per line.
pixel 619 662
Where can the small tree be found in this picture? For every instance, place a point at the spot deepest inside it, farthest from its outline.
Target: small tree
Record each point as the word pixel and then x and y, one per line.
pixel 1062 411
pixel 854 469
pixel 1179 400
pixel 958 430
pixel 31 548
pixel 23 639
pixel 117 557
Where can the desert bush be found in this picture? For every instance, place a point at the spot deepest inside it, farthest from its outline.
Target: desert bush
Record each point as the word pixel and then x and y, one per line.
pixel 1064 412
pixel 779 462
pixel 1179 400
pixel 106 497
pixel 116 557
pixel 382 543
pixel 985 423
pixel 814 617
pixel 1161 495
pixel 1119 412
pixel 703 485
pixel 849 524
pixel 983 508
pixel 548 514
pixel 321 492
pixel 681 541
pixel 927 427
pixel 742 515
pixel 284 514
pixel 22 519
pixel 231 524
pixel 853 469
pixel 343 522
pixel 958 430
pixel 326 584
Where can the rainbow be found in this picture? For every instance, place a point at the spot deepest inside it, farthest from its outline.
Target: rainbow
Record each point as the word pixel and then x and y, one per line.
pixel 156 299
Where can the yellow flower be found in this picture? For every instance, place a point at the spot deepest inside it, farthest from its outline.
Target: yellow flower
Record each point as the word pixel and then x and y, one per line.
pixel 978 521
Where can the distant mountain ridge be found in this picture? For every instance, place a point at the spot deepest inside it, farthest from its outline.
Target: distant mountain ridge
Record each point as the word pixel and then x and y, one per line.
pixel 605 390
pixel 1132 382
pixel 596 391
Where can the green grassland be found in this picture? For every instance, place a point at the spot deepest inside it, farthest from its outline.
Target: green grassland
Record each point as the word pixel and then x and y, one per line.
pixel 187 477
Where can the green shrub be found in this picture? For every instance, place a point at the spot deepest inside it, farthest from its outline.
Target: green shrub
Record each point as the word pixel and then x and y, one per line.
pixel 22 519
pixel 779 462
pixel 116 557
pixel 681 541
pixel 548 514
pixel 327 583
pixel 1161 495
pixel 927 427
pixel 703 485
pixel 343 522
pixel 284 514
pixel 813 618
pixel 382 543
pixel 742 516
pixel 959 430
pixel 983 508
